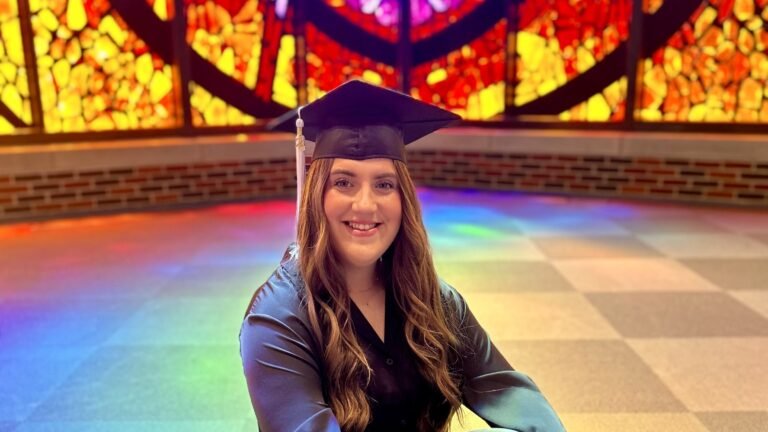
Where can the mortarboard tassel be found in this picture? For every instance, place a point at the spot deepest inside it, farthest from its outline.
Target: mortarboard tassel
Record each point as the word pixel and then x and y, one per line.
pixel 300 163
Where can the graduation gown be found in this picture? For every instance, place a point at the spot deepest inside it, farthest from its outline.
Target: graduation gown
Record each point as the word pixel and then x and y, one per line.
pixel 281 361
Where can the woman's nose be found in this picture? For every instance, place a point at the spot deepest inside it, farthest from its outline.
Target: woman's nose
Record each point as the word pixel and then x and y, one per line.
pixel 365 201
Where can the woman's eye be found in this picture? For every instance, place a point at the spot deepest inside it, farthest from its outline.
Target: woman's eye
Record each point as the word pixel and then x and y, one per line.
pixel 386 185
pixel 342 183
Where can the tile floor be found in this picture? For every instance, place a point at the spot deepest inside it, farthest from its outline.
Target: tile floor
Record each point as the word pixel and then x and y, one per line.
pixel 632 317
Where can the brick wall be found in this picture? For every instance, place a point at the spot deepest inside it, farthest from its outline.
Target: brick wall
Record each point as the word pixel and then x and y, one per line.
pixel 25 196
pixel 63 180
pixel 728 182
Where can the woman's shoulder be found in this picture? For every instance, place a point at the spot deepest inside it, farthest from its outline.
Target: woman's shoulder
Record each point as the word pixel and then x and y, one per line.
pixel 282 293
pixel 453 299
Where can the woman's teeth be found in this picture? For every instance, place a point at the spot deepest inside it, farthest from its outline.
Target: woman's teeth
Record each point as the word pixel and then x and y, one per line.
pixel 361 227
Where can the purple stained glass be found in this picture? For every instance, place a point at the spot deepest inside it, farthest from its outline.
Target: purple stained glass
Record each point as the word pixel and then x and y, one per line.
pixel 387 11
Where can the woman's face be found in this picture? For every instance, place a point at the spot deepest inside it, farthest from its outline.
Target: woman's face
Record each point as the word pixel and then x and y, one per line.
pixel 363 208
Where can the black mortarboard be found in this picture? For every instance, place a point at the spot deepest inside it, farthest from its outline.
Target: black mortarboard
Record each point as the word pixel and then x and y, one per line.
pixel 357 120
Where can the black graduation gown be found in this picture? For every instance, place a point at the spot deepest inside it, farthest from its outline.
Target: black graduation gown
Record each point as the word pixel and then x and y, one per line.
pixel 281 364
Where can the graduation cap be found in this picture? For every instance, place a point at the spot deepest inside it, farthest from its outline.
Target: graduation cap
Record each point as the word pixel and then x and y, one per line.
pixel 357 120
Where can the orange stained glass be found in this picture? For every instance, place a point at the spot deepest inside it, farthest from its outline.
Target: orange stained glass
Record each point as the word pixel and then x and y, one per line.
pixel 162 8
pixel 468 81
pixel 559 40
pixel 229 35
pixel 607 106
pixel 209 110
pixel 714 69
pixel 330 64
pixel 14 86
pixel 95 73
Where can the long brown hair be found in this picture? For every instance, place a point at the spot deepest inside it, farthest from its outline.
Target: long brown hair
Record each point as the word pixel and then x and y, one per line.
pixel 407 266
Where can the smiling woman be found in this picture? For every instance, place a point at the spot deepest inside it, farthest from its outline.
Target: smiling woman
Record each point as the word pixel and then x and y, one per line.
pixel 354 331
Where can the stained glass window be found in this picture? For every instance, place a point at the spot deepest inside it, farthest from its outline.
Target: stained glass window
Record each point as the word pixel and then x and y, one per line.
pixel 95 73
pixel 14 88
pixel 468 81
pixel 431 17
pixel 330 64
pixel 559 40
pixel 230 35
pixel 714 69
pixel 379 20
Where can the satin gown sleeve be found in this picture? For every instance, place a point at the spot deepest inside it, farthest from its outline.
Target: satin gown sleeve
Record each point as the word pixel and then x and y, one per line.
pixel 492 389
pixel 280 360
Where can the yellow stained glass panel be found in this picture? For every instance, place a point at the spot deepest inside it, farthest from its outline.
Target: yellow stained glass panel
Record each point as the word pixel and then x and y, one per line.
pixel 97 74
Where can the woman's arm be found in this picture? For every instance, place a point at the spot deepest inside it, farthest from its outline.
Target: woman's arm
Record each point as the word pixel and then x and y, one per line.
pixel 281 365
pixel 492 389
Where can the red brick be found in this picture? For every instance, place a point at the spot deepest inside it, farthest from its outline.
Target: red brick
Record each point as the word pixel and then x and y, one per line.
pixel 121 191
pixel 568 158
pixel 529 183
pixel 649 161
pixel 167 198
pixel 5 179
pixel 736 185
pixel 720 174
pixel 13 189
pixel 661 191
pixel 707 164
pixel 580 186
pixel 79 204
pixel 761 186
pixel 675 182
pixel 737 165
pixel 633 189
pixel 720 194
pixel 5 200
pixel 635 170
pixel 541 157
pixel 49 207
pixel 77 184
pixel 663 172
pixel 154 169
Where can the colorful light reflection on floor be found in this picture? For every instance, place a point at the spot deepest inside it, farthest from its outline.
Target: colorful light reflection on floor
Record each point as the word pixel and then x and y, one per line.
pixel 630 316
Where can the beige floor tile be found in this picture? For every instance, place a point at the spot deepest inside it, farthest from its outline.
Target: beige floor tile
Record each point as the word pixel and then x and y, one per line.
pixel 593 247
pixel 502 276
pixel 511 247
pixel 689 223
pixel 622 422
pixel 538 316
pixel 631 274
pixel 732 274
pixel 675 314
pixel 757 300
pixel 735 421
pixel 706 245
pixel 760 237
pixel 723 374
pixel 743 221
pixel 567 224
pixel 591 376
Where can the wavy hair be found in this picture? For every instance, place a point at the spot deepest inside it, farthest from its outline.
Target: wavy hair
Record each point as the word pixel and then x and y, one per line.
pixel 408 270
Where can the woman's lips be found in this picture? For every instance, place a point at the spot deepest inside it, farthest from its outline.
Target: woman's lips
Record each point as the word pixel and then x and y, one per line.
pixel 362 229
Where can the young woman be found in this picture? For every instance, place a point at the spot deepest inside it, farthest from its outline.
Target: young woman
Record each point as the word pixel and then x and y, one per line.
pixel 354 331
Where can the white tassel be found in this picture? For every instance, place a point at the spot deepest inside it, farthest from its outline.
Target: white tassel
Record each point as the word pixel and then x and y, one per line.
pixel 300 161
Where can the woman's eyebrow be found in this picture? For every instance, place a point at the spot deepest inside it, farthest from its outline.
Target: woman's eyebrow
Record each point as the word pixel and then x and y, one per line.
pixel 352 174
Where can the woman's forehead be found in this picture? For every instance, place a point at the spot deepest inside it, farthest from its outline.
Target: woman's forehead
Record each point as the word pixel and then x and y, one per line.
pixel 366 166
